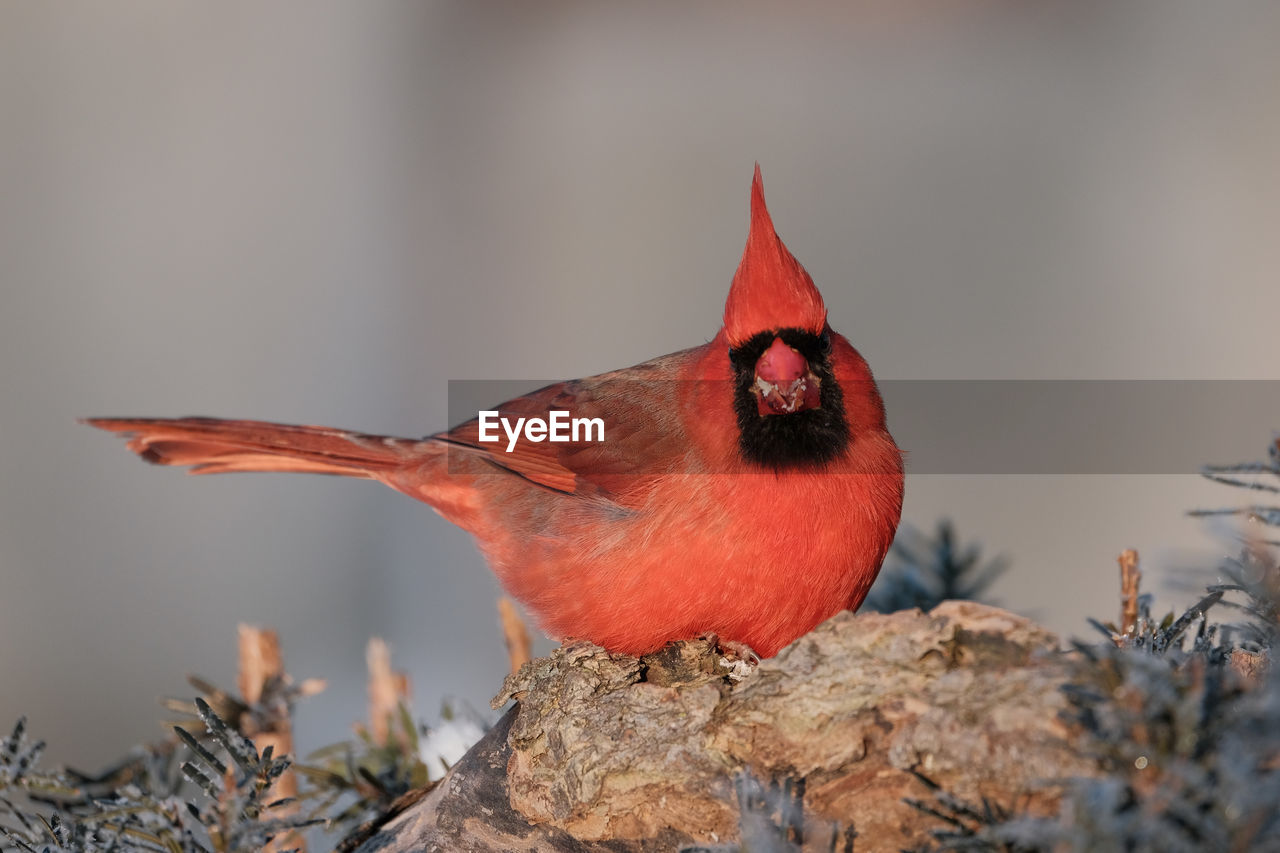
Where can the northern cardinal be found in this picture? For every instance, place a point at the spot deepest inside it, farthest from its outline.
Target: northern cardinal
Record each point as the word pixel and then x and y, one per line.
pixel 746 488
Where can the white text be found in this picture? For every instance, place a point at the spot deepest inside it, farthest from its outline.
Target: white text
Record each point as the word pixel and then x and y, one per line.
pixel 559 426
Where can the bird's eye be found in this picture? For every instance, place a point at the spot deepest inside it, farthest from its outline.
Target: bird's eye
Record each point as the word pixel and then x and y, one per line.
pixel 825 341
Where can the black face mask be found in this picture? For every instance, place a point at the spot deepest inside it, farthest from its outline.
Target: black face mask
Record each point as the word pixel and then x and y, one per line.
pixel 807 438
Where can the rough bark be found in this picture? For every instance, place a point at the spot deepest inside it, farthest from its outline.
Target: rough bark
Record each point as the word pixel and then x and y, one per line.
pixel 607 752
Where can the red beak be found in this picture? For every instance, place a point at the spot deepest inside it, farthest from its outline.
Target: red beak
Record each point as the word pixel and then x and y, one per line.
pixel 784 381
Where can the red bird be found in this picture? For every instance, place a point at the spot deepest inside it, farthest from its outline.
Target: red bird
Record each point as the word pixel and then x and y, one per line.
pixel 746 488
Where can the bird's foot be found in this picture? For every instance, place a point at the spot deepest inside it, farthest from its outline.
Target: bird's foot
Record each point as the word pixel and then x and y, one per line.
pixel 738 659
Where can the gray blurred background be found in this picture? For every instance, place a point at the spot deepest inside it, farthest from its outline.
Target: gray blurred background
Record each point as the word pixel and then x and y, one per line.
pixel 321 212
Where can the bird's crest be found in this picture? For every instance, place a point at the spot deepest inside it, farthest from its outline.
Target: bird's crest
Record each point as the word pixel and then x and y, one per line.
pixel 770 289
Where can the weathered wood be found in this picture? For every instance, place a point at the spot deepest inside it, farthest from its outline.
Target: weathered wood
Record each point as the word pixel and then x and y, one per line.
pixel 468 812
pixel 607 752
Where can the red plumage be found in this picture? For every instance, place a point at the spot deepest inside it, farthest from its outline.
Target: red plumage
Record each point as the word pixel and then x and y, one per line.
pixel 747 487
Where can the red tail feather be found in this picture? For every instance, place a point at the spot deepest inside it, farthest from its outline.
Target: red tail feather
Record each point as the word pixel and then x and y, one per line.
pixel 214 446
